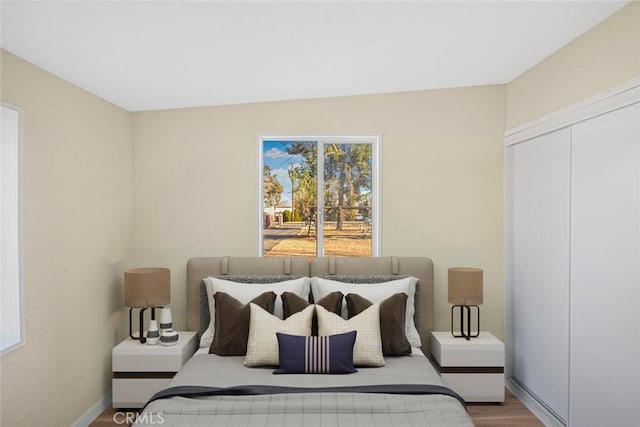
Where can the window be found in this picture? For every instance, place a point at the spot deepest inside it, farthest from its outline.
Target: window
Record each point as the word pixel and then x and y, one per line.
pixel 11 314
pixel 319 196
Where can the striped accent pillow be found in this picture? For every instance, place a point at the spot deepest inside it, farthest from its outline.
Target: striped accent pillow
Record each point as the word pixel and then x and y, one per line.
pixel 329 354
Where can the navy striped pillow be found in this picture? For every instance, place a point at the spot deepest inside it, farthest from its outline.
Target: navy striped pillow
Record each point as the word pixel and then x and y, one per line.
pixel 332 354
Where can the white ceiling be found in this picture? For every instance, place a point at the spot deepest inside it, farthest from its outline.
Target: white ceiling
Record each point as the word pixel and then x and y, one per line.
pixel 170 54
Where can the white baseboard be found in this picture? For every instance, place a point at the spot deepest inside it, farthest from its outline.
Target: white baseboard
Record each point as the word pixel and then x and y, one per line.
pixel 539 410
pixel 92 413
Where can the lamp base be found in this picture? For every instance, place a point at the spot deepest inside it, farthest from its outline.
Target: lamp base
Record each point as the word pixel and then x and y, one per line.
pixel 465 309
pixel 141 334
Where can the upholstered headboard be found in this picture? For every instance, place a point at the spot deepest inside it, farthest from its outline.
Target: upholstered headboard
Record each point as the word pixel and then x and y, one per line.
pixel 420 267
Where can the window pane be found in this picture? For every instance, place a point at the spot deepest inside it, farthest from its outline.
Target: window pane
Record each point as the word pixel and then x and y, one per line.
pixel 11 320
pixel 289 190
pixel 347 195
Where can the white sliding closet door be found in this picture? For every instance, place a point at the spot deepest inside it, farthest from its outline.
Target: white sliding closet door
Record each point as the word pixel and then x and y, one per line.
pixel 605 271
pixel 540 204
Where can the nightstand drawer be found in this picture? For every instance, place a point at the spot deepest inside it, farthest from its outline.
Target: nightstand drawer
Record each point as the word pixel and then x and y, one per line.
pixel 486 350
pixel 477 387
pixel 131 356
pixel 135 392
pixel 156 363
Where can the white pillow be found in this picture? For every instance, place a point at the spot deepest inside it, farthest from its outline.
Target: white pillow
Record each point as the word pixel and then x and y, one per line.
pixel 374 292
pixel 367 351
pixel 245 292
pixel 262 345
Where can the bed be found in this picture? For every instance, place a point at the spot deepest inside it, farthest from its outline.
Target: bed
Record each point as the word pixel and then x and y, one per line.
pixel 221 390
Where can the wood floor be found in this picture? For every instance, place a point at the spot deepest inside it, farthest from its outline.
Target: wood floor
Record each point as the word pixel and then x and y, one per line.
pixel 512 413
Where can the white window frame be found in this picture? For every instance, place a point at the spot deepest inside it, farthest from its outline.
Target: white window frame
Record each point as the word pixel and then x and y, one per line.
pixel 11 242
pixel 376 191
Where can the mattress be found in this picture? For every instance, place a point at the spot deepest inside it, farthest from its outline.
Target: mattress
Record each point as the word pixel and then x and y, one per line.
pixel 212 390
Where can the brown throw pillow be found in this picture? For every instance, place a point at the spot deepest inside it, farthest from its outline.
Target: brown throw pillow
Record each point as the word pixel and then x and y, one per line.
pixel 292 303
pixel 232 323
pixel 392 319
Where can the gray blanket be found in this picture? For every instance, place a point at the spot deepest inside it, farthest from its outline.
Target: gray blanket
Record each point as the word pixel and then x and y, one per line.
pixel 323 405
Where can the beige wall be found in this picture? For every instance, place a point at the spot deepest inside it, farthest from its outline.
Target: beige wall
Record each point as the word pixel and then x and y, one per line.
pixel 78 240
pixel 195 180
pixel 603 57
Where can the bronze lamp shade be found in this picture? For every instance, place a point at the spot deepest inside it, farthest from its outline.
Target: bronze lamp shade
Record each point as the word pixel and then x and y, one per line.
pixel 147 287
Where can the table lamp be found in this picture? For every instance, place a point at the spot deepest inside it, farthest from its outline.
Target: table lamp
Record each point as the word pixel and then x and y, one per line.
pixel 145 288
pixel 465 292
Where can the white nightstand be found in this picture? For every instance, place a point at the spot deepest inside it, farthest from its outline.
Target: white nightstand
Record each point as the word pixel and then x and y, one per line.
pixel 474 368
pixel 140 370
